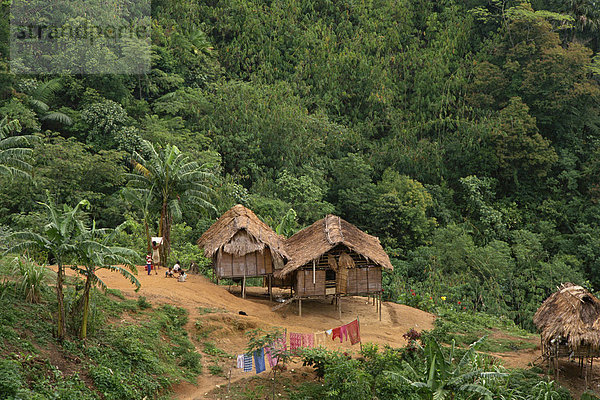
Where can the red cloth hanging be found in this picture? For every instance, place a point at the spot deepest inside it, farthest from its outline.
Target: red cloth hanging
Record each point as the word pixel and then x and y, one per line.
pixel 337 332
pixel 353 330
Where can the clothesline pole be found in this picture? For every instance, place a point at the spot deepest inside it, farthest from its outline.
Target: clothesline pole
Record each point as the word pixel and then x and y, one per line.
pixel 359 336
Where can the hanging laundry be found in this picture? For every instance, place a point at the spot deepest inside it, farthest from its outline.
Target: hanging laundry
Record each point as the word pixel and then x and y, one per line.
pixel 320 338
pixel 295 341
pixel 272 360
pixel 240 361
pixel 280 343
pixel 353 330
pixel 336 332
pixel 259 360
pixel 247 362
pixel 308 340
pixel 343 332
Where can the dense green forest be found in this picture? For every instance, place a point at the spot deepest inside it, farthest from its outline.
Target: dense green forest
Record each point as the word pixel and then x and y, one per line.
pixel 464 134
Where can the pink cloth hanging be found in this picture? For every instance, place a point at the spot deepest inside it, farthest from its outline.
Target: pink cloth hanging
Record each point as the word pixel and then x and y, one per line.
pixel 308 340
pixel 295 341
pixel 276 346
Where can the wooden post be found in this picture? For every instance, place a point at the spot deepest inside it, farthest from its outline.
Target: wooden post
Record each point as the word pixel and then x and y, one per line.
pixel 380 306
pixel 360 337
pixel 244 287
pixel 300 307
pixel 340 306
pixel 270 288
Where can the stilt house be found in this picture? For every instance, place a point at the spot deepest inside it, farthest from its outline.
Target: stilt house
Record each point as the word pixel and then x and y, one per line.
pixel 332 257
pixel 569 326
pixel 242 246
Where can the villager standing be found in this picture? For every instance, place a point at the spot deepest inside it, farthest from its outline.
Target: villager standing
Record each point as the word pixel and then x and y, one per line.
pixel 149 263
pixel 155 254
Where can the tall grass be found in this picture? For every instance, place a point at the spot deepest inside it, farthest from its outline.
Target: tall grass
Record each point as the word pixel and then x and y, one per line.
pixel 30 279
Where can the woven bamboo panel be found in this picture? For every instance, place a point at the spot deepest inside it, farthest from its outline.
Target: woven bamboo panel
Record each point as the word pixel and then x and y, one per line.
pixel 268 262
pixel 304 283
pixel 224 265
pixel 251 264
pixel 374 279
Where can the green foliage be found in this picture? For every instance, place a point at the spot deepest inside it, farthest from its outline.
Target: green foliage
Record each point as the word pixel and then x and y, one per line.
pixel 400 210
pixel 31 279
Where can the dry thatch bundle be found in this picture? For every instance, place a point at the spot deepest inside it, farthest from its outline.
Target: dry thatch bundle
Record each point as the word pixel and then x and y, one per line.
pixel 572 314
pixel 346 261
pixel 332 262
pixel 239 231
pixel 312 242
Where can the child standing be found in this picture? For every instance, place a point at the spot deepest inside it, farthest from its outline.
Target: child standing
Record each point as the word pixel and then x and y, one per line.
pixel 149 263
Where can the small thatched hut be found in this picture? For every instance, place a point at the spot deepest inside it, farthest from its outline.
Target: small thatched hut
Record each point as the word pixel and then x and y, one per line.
pixel 569 325
pixel 332 257
pixel 243 246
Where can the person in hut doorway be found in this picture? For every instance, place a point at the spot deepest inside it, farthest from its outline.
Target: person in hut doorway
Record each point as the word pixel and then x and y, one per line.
pixel 155 254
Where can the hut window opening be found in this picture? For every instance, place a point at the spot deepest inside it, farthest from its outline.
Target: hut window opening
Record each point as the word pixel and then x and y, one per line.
pixel 330 275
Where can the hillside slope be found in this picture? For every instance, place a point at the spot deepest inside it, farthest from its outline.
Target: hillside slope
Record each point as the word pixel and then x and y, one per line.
pixel 198 294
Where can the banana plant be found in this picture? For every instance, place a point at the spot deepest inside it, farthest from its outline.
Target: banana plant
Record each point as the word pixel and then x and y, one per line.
pixel 443 378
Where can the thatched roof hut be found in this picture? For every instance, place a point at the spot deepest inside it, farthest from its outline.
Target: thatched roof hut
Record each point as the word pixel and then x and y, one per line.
pixel 242 246
pixel 571 316
pixel 332 257
pixel 316 240
pixel 239 231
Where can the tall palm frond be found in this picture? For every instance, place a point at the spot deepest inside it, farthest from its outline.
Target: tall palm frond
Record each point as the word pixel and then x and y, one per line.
pixel 15 151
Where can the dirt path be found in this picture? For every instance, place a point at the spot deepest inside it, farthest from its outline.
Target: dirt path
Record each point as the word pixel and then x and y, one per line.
pixel 199 293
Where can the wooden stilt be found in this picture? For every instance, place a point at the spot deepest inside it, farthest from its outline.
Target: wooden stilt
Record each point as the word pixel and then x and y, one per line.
pixel 300 307
pixel 360 338
pixel 270 288
pixel 340 306
pixel 380 306
pixel 244 287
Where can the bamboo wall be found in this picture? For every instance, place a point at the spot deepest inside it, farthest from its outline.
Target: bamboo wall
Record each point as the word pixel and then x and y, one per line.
pixel 304 283
pixel 364 278
pixel 252 264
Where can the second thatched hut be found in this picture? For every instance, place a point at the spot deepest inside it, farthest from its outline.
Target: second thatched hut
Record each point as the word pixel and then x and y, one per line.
pixel 569 325
pixel 332 257
pixel 242 246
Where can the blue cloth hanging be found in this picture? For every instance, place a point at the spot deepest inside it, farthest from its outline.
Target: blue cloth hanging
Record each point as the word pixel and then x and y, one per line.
pixel 247 363
pixel 259 360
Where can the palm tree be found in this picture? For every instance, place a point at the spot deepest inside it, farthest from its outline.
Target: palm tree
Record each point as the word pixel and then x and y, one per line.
pixel 141 199
pixel 39 98
pixel 14 150
pixel 94 254
pixel 178 183
pixel 59 240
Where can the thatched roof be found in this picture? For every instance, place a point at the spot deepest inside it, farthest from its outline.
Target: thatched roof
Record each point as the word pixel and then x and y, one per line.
pixel 312 242
pixel 571 313
pixel 239 231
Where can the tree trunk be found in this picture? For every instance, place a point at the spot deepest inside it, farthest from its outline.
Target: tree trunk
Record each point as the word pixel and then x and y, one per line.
pixel 148 240
pixel 86 305
pixel 61 323
pixel 162 231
